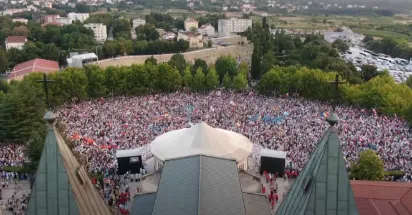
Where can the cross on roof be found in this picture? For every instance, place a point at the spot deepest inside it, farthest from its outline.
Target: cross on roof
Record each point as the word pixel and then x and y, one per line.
pixel 46 89
pixel 336 83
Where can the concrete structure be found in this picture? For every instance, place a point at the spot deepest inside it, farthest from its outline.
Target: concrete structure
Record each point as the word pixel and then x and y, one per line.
pixel 247 8
pixel 78 16
pixel 207 30
pixel 36 65
pixel 168 36
pixel 191 23
pixel 100 31
pixel 195 39
pixel 138 22
pixel 15 42
pixel 346 35
pixel 22 20
pixel 64 21
pixel 80 59
pixel 233 26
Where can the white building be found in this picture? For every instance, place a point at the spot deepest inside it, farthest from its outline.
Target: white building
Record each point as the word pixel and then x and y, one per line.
pixel 247 8
pixel 22 20
pixel 64 20
pixel 195 39
pixel 191 23
pixel 346 35
pixel 99 30
pixel 138 22
pixel 233 26
pixel 78 16
pixel 15 42
pixel 207 30
pixel 169 36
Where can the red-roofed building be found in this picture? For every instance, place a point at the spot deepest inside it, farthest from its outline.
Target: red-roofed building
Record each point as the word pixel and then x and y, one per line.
pixel 36 65
pixel 15 42
pixel 382 198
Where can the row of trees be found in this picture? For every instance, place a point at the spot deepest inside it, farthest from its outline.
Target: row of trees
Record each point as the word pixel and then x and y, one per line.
pixel 285 50
pixel 394 47
pixel 380 92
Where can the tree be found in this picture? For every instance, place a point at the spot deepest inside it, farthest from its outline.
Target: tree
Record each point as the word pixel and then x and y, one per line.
pixel 187 78
pixel 95 78
pixel 4 64
pixel 212 79
pixel 50 52
pixel 147 32
pixel 21 31
pixel 169 78
pixel 151 60
pixel 226 64
pixel 368 72
pixel 82 8
pixel 209 44
pixel 239 82
pixel 340 45
pixel 324 21
pixel 193 29
pixel 178 61
pixel 409 82
pixel 256 65
pixel 121 28
pixel 268 61
pixel 369 167
pixel 227 81
pixel 199 80
pixel 200 63
pixel 368 39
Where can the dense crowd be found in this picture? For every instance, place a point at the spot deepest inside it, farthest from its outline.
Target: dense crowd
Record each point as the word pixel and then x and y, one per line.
pixel 12 154
pixel 100 127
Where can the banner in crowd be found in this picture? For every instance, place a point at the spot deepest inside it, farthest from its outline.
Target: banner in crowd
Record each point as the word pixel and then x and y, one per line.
pixel 268 118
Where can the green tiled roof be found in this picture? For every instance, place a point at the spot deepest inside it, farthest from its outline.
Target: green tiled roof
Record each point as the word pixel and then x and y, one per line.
pixel 323 187
pixel 61 185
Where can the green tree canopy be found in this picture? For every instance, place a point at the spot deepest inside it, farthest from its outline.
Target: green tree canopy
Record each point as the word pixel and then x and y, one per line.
pixel 178 61
pixel 212 79
pixel 368 167
pixel 226 65
pixel 227 81
pixel 199 80
pixel 239 82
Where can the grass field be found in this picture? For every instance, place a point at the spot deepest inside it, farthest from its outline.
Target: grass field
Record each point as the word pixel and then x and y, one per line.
pixel 380 33
pixel 209 55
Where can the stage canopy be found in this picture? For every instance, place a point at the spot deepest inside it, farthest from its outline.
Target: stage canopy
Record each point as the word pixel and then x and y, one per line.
pixel 128 153
pixel 201 139
pixel 273 153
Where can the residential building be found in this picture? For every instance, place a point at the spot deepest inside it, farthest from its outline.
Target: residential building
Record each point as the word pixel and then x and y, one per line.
pixel 247 8
pixel 78 16
pixel 346 35
pixel 169 36
pixel 100 31
pixel 191 23
pixel 138 22
pixel 64 21
pixel 35 65
pixel 49 19
pixel 22 20
pixel 206 30
pixel 48 5
pixel 233 26
pixel 15 42
pixel 195 39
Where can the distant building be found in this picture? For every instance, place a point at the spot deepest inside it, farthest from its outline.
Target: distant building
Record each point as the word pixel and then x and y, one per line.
pixel 138 22
pixel 48 5
pixel 346 35
pixel 195 39
pixel 247 8
pixel 80 59
pixel 15 42
pixel 22 20
pixel 169 36
pixel 233 26
pixel 35 65
pixel 191 23
pixel 207 30
pixel 78 16
pixel 49 19
pixel 64 21
pixel 100 31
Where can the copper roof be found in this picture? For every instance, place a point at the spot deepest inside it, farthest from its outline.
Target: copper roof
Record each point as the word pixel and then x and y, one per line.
pixel 35 65
pixel 16 39
pixel 379 197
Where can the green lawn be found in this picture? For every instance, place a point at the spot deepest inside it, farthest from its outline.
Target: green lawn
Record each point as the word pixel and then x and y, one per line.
pixel 380 33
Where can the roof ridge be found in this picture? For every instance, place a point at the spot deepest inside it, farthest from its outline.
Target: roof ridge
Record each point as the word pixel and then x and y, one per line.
pixel 374 206
pixel 410 190
pixel 34 65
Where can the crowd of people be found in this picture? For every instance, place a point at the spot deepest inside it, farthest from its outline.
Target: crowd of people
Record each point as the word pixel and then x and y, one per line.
pixel 12 154
pixel 100 127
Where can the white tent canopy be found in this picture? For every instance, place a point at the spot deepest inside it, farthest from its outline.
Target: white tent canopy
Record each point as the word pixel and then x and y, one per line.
pixel 128 153
pixel 201 139
pixel 272 153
